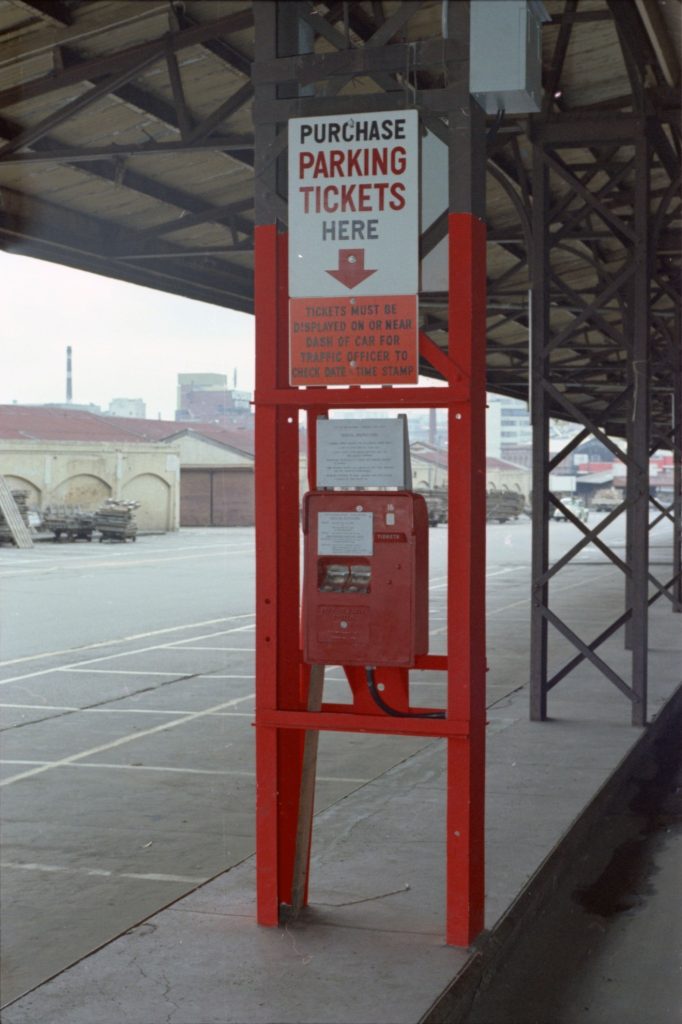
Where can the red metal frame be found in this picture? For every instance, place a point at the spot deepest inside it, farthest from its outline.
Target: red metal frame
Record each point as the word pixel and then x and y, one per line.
pixel 281 678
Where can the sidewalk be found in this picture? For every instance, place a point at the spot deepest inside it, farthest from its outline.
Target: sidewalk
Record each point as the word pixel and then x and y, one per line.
pixel 370 948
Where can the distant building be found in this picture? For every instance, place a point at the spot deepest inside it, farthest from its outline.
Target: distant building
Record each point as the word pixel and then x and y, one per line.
pixel 73 406
pixel 198 474
pixel 430 470
pixel 507 426
pixel 64 456
pixel 206 398
pixel 134 407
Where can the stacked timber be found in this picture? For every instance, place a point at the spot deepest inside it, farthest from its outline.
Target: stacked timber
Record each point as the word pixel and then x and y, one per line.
pixel 14 527
pixel 69 521
pixel 115 520
pixel 503 504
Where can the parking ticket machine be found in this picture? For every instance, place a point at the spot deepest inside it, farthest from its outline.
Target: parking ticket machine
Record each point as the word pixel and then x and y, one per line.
pixel 365 587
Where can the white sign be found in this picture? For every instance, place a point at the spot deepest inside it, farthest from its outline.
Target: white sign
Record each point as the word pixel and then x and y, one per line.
pixel 354 205
pixel 344 533
pixel 363 453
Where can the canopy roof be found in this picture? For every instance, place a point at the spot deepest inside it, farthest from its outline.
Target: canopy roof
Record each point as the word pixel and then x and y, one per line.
pixel 127 149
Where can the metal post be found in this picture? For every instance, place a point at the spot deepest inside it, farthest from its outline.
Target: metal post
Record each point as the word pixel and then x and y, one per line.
pixel 539 368
pixel 466 500
pixel 630 476
pixel 677 461
pixel 638 456
pixel 277 562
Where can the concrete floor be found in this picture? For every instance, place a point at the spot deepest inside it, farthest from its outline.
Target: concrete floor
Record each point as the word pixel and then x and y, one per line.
pixel 606 947
pixel 103 806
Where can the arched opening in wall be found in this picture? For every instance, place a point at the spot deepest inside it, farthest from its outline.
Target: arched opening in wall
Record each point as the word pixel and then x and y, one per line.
pixel 83 490
pixel 153 495
pixel 20 483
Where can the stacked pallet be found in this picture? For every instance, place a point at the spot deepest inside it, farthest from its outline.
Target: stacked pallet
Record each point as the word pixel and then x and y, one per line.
pixel 115 520
pixel 69 521
pixel 14 517
pixel 503 504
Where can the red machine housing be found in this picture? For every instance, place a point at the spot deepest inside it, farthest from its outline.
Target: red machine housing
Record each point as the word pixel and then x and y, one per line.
pixel 365 583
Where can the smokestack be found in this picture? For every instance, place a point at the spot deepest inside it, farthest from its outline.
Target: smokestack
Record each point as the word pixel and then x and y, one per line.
pixel 69 388
pixel 432 426
pixel 234 379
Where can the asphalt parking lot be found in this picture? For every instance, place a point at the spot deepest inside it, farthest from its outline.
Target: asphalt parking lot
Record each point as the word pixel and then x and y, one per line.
pixel 126 695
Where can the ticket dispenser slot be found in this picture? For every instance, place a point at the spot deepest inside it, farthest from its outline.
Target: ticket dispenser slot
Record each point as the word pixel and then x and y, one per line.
pixel 351 577
pixel 365 590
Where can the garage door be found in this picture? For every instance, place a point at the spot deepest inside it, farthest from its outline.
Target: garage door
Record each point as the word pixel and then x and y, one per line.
pixel 216 497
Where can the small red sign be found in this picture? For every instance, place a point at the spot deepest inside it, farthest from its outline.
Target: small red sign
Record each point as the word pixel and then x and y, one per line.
pixel 354 340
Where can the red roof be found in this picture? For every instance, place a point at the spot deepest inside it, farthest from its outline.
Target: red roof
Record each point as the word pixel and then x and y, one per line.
pixel 41 423
pixel 429 453
pixel 161 430
pixel 493 463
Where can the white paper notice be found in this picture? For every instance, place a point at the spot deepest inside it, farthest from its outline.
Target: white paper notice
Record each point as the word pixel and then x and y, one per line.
pixel 361 453
pixel 344 533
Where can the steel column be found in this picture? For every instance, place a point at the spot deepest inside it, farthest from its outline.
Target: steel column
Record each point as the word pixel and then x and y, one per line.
pixel 538 371
pixel 616 307
pixel 677 460
pixel 279 753
pixel 638 469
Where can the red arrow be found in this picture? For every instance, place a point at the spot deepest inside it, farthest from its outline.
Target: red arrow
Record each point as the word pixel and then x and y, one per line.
pixel 351 269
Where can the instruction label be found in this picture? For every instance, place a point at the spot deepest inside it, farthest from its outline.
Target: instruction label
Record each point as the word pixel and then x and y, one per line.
pixel 344 533
pixel 354 340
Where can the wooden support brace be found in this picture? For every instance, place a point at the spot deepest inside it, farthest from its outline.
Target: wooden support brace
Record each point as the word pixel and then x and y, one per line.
pixel 306 803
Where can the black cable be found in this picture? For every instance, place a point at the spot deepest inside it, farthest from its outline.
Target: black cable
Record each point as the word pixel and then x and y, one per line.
pixel 380 702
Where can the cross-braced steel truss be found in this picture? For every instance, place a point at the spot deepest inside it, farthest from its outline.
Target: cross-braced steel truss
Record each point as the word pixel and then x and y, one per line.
pixel 604 190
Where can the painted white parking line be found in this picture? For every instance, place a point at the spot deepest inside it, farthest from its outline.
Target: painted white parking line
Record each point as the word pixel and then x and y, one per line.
pixel 100 873
pixel 110 657
pixel 109 564
pixel 114 672
pixel 189 648
pixel 126 739
pixel 248 628
pixel 233 650
pixel 126 639
pixel 211 675
pixel 49 555
pixel 67 670
pixel 134 768
pixel 177 771
pixel 526 600
pixel 121 711
pixel 488 575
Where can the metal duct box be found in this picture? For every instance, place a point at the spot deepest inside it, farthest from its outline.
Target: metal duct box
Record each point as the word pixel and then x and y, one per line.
pixel 506 55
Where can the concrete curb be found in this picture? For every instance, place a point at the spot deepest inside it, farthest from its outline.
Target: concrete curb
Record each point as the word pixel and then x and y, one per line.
pixel 491 950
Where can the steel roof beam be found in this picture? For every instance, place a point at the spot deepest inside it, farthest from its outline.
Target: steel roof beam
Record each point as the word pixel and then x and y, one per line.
pixel 220 48
pixel 221 113
pixel 95 68
pixel 659 39
pixel 57 154
pixel 114 171
pixel 156 106
pixel 52 11
pixel 80 233
pixel 202 287
pixel 29 135
pixel 553 75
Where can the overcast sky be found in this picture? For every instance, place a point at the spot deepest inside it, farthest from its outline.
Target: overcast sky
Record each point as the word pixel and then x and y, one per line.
pixel 128 342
